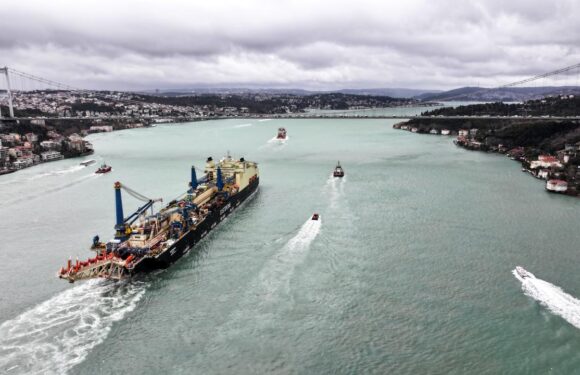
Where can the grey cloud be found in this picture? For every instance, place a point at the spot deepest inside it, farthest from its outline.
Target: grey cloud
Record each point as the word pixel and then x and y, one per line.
pixel 326 43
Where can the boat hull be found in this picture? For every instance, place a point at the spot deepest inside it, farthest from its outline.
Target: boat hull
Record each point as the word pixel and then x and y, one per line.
pixel 193 237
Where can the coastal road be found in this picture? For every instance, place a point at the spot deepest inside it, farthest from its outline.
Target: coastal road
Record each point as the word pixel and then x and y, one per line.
pixel 299 116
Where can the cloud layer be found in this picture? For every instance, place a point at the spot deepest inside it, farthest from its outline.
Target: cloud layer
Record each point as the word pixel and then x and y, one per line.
pixel 303 44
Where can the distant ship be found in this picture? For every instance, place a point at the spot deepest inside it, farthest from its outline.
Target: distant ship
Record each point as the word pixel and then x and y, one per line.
pixel 86 163
pixel 281 134
pixel 145 242
pixel 104 168
pixel 338 171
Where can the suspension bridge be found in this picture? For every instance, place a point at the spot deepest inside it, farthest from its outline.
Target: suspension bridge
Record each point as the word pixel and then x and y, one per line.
pixel 19 85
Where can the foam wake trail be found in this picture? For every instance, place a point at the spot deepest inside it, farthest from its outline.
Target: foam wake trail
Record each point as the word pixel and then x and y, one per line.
pixel 57 334
pixel 47 191
pixel 59 172
pixel 265 119
pixel 335 189
pixel 242 125
pixel 552 297
pixel 267 295
pixel 278 270
pixel 277 141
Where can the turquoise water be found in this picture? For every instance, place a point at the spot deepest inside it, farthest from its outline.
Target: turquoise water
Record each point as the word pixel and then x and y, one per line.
pixel 408 271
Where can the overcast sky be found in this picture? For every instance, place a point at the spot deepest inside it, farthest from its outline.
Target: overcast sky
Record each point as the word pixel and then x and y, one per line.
pixel 277 43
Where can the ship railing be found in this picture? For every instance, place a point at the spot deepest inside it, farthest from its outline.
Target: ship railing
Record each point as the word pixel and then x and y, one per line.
pixel 108 268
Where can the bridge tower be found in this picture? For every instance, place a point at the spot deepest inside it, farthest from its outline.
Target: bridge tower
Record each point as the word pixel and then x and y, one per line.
pixel 8 90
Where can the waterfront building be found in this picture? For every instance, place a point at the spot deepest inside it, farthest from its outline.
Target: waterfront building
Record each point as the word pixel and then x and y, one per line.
pixel 50 145
pixel 557 186
pixel 31 137
pixel 38 122
pixel 21 163
pixel 51 156
pixel 100 128
pixel 545 161
pixel 543 174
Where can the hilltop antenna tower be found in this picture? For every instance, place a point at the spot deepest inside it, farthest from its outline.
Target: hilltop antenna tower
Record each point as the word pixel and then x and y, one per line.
pixel 10 107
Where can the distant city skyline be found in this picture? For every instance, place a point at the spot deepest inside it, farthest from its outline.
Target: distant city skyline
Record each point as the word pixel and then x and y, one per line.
pixel 322 45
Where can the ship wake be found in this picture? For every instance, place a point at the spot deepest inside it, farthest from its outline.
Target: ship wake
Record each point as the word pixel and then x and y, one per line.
pixel 334 188
pixel 267 293
pixel 277 141
pixel 276 275
pixel 46 191
pixel 552 297
pixel 59 333
pixel 58 172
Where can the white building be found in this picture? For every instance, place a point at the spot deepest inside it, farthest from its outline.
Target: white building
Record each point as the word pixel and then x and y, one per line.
pixel 445 132
pixel 100 128
pixel 50 145
pixel 51 156
pixel 556 186
pixel 23 163
pixel 544 173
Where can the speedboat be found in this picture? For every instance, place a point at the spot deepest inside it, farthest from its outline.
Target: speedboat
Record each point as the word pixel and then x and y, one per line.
pixel 281 133
pixel 523 273
pixel 104 168
pixel 338 171
pixel 315 217
pixel 86 163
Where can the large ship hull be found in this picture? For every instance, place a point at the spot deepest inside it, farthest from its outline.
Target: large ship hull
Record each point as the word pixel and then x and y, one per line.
pixel 193 237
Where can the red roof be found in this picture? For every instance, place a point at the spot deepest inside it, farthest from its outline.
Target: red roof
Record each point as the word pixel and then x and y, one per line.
pixel 557 182
pixel 547 158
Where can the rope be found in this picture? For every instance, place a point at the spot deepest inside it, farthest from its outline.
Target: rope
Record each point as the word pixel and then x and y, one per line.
pixel 138 196
pixel 64 86
pixel 517 83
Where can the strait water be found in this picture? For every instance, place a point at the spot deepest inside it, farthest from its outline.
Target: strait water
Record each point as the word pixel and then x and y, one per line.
pixel 409 270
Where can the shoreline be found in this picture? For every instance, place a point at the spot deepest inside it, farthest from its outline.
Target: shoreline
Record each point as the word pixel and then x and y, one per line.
pixel 547 167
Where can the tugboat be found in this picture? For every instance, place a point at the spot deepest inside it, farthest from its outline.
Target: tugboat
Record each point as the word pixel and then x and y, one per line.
pixel 315 217
pixel 104 168
pixel 281 134
pixel 338 171
pixel 145 241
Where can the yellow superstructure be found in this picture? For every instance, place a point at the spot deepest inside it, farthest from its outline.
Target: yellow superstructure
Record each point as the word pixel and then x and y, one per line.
pixel 237 174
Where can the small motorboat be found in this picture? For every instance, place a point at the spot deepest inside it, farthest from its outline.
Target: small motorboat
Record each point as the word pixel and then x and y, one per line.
pixel 281 134
pixel 338 171
pixel 86 163
pixel 315 217
pixel 523 273
pixel 104 168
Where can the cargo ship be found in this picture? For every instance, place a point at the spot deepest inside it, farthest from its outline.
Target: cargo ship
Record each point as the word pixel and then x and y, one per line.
pixel 146 242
